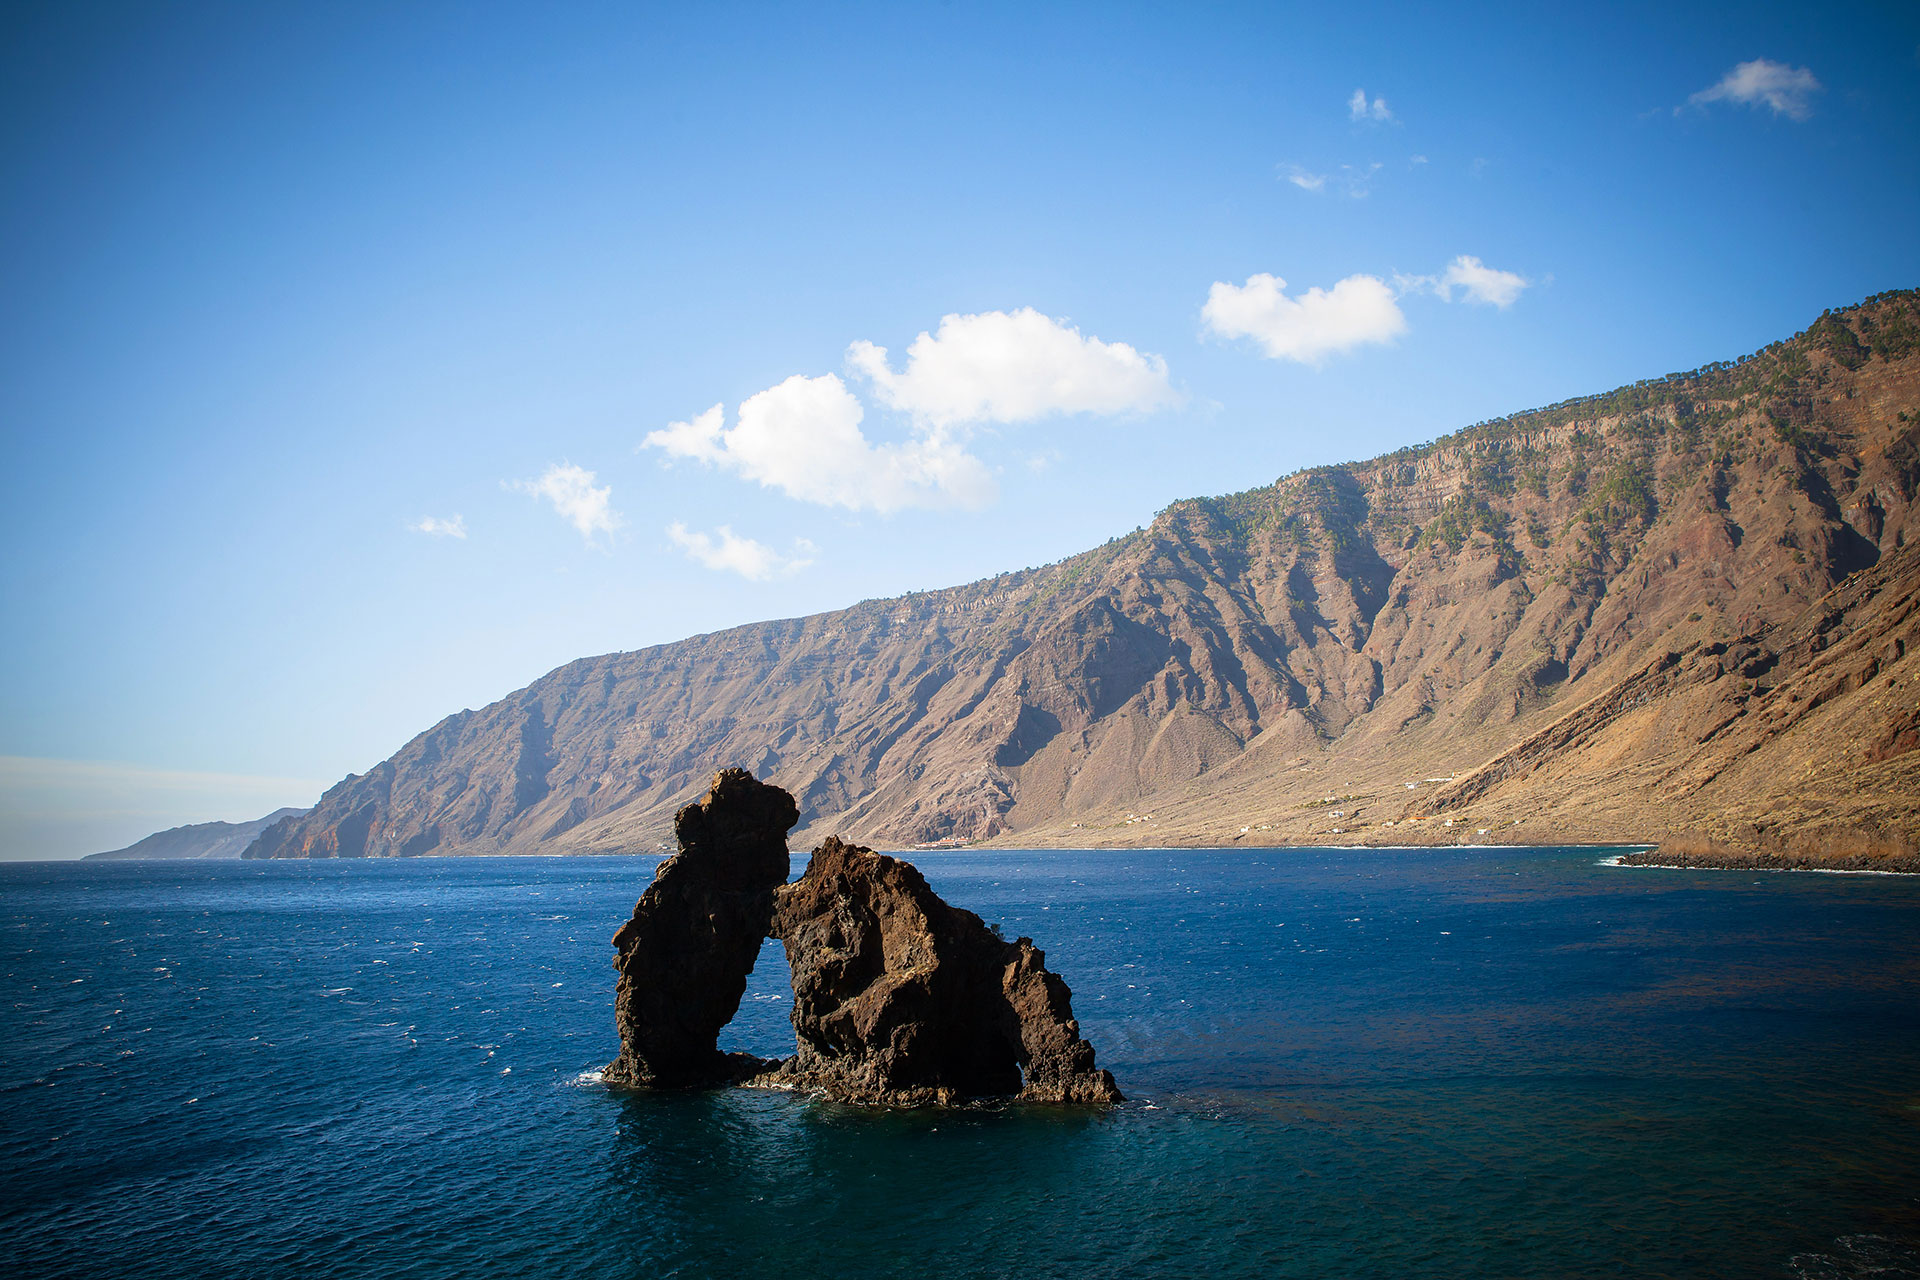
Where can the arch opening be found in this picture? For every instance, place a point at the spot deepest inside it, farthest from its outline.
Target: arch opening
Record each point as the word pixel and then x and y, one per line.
pixel 763 1024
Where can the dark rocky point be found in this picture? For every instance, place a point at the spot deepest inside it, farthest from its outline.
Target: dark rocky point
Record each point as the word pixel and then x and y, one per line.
pixel 899 998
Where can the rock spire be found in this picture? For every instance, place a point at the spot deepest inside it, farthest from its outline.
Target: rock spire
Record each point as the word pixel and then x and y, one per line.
pixel 685 955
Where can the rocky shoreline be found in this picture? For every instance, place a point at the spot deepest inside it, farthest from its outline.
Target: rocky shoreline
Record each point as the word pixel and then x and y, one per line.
pixel 1856 853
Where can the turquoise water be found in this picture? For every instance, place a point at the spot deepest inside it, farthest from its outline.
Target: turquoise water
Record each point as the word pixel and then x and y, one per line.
pixel 1340 1063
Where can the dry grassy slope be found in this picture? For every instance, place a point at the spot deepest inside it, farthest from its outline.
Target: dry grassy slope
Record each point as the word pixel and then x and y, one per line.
pixel 1274 658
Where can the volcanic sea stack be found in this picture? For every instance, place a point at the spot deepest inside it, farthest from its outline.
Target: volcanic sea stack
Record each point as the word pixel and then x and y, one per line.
pixel 685 956
pixel 899 998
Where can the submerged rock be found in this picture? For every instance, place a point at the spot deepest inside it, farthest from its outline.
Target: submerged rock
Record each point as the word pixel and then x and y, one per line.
pixel 899 998
pixel 685 955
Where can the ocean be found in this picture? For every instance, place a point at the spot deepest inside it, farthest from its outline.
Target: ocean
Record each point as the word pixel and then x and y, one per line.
pixel 1339 1063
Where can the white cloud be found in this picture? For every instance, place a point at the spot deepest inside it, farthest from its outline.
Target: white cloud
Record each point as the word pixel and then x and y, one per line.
pixel 1787 90
pixel 576 498
pixel 435 527
pixel 1358 310
pixel 803 437
pixel 1359 109
pixel 752 560
pixel 1481 283
pixel 1012 366
pixel 1320 322
pixel 1306 181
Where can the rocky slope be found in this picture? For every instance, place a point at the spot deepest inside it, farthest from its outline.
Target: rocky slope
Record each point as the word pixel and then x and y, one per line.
pixel 197 840
pixel 1678 606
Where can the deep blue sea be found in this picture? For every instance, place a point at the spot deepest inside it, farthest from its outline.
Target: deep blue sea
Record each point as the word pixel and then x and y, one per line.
pixel 1340 1063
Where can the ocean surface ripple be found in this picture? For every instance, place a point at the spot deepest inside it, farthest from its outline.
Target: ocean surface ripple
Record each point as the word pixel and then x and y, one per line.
pixel 1481 1062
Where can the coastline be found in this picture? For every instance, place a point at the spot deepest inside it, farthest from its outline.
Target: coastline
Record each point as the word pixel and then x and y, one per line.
pixel 1618 861
pixel 906 852
pixel 1859 858
pixel 1683 854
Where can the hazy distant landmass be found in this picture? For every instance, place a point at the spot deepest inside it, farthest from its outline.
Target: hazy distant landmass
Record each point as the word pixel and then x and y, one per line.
pixel 1687 605
pixel 199 840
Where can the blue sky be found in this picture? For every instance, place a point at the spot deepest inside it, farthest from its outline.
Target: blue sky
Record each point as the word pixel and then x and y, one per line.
pixel 335 335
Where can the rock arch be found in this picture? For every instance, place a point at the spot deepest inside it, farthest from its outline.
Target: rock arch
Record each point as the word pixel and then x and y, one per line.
pixel 899 997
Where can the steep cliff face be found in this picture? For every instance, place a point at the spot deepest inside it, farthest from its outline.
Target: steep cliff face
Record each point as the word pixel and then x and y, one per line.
pixel 1804 729
pixel 1287 660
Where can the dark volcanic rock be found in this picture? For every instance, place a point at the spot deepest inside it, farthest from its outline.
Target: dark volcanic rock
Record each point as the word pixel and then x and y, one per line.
pixel 685 956
pixel 899 998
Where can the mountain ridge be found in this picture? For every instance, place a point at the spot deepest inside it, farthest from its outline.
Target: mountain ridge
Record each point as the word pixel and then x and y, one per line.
pixel 1296 659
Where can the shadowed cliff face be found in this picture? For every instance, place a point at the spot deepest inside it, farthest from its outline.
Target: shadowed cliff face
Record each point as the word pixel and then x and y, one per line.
pixel 1276 657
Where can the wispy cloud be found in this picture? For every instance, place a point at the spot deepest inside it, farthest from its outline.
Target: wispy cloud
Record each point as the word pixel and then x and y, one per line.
pixel 1306 329
pixel 1475 280
pixel 727 551
pixel 1481 283
pixel 1353 181
pixel 805 435
pixel 40 773
pixel 1359 109
pixel 701 438
pixel 574 496
pixel 66 808
pixel 1787 91
pixel 435 527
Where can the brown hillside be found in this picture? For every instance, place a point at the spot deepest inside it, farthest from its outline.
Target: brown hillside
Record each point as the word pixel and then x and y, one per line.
pixel 1688 604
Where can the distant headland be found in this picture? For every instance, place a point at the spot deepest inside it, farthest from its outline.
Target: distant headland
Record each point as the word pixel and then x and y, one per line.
pixel 196 840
